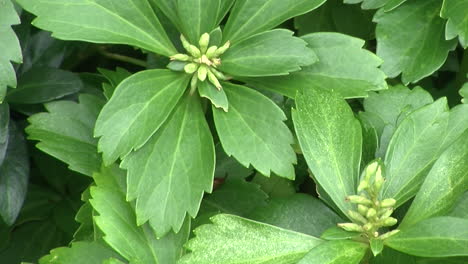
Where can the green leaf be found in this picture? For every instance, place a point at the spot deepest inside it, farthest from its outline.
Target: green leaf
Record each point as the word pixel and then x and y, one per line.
pixel 14 175
pixel 275 186
pixel 336 252
pixel 4 122
pixel 169 174
pixel 270 53
pixel 300 212
pixel 232 239
pixel 228 166
pixel 138 244
pixel 254 120
pixel 93 252
pixel 337 233
pixel 33 88
pixel 457 23
pixel 118 22
pixel 66 132
pixel 217 97
pixel 390 256
pixel 10 47
pixel 443 186
pixel 251 17
pixel 137 109
pixel 376 245
pixel 417 143
pixel 114 78
pixel 343 66
pixel 461 207
pixel 433 237
pixel 464 93
pixel 420 49
pixel 331 141
pixel 392 4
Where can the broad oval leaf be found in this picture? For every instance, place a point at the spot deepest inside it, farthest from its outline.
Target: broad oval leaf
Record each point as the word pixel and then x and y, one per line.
pixel 457 23
pixel 169 174
pixel 94 252
pixel 232 239
pixel 249 17
pixel 10 47
pixel 136 110
pixel 343 65
pixel 336 252
pixel 100 21
pixel 420 49
pixel 434 237
pixel 274 52
pixel 254 120
pixel 331 141
pixel 445 183
pixel 66 132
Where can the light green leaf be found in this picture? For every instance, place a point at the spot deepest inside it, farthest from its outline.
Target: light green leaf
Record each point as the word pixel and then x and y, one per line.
pixel 461 207
pixel 420 49
pixel 270 53
pixel 331 141
pixel 443 186
pixel 417 143
pixel 138 244
pixel 217 97
pixel 232 239
pixel 9 45
pixel 343 66
pixel 93 252
pixel 112 261
pixel 66 132
pixel 14 174
pixel 118 21
pixel 137 109
pixel 300 212
pixel 457 23
pixel 33 88
pixel 251 17
pixel 254 120
pixel 169 174
pixel 337 233
pixel 433 237
pixel 336 252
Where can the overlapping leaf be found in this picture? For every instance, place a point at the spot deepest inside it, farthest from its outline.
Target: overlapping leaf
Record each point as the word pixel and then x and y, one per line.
pixel 217 97
pixel 169 174
pixel 254 133
pixel 118 21
pixel 138 107
pixel 457 23
pixel 387 5
pixel 336 252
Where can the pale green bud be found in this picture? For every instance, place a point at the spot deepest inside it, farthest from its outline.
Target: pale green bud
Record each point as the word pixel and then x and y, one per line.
pixel 202 72
pixel 362 209
pixel 386 213
pixel 368 226
pixel 218 74
pixel 220 51
pixel 211 51
pixel 389 234
pixel 191 68
pixel 390 221
pixel 181 57
pixel 194 51
pixel 370 170
pixel 212 78
pixel 371 213
pixel 356 199
pixel 363 185
pixel 388 203
pixel 204 42
pixel 356 217
pixel 351 227
pixel 193 84
pixel 379 180
pixel 185 43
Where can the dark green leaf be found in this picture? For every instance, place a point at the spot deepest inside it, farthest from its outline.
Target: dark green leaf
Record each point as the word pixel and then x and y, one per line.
pixel 330 138
pixel 270 53
pixel 138 108
pixel 169 174
pixel 66 132
pixel 457 23
pixel 250 17
pixel 336 252
pixel 433 237
pixel 275 186
pixel 93 252
pixel 4 122
pixel 254 120
pixel 390 256
pixel 119 22
pixel 232 239
pixel 421 48
pixel 217 97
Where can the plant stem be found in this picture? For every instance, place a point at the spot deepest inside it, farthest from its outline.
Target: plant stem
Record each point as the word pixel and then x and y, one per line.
pixel 123 58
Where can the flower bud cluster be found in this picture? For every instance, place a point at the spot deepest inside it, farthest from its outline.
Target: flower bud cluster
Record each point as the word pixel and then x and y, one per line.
pixel 202 61
pixel 371 213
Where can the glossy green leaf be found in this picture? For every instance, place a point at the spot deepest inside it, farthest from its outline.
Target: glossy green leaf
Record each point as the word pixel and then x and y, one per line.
pixel 254 120
pixel 445 183
pixel 99 21
pixel 66 132
pixel 270 53
pixel 137 109
pixel 457 23
pixel 433 237
pixel 170 173
pixel 94 252
pixel 232 239
pixel 336 252
pixel 14 174
pixel 251 17
pixel 343 66
pixel 417 143
pixel 421 48
pixel 138 244
pixel 300 212
pixel 331 141
pixel 9 45
pixel 33 88
pixel 4 122
pixel 217 97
